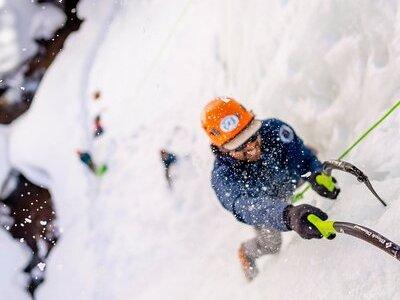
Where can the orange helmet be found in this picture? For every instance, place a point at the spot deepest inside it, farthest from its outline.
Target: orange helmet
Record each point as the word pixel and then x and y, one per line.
pixel 228 123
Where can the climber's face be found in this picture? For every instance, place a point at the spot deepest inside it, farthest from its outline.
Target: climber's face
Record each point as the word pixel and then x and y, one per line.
pixel 249 151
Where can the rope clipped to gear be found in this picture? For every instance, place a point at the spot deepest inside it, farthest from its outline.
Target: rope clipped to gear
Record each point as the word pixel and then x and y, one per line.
pixel 300 195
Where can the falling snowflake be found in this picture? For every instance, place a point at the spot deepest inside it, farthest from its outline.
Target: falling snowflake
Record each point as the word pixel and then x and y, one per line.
pixel 41 266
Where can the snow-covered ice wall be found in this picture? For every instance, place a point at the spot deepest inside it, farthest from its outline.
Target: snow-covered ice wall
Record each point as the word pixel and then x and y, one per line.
pixel 329 68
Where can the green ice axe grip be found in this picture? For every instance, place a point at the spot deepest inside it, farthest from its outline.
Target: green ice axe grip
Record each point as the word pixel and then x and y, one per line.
pixel 325 181
pixel 325 227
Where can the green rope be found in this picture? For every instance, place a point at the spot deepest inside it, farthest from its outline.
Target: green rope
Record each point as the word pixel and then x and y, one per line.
pixel 300 195
pixel 376 124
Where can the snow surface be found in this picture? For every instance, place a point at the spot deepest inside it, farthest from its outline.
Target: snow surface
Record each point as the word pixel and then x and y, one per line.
pixel 20 23
pixel 329 68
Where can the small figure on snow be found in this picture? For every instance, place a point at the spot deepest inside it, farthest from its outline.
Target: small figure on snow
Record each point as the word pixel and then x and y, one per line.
pixel 258 165
pixel 168 159
pixel 86 158
pixel 96 95
pixel 98 128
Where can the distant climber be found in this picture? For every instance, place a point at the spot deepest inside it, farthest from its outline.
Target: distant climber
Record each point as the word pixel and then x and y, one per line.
pixel 98 128
pixel 258 165
pixel 167 159
pixel 96 95
pixel 86 158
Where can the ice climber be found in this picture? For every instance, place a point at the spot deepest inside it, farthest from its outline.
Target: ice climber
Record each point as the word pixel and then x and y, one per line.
pixel 87 160
pixel 258 165
pixel 167 159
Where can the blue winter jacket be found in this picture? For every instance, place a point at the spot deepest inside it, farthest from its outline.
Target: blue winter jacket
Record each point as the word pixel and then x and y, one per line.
pixel 258 192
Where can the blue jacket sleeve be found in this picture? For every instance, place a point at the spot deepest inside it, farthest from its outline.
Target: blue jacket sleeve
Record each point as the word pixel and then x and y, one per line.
pixel 311 162
pixel 297 151
pixel 252 210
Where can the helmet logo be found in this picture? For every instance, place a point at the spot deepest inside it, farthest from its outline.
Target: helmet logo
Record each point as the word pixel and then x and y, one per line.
pixel 286 134
pixel 229 123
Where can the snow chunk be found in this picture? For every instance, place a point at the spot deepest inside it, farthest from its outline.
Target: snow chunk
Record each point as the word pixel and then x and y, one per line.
pixel 41 266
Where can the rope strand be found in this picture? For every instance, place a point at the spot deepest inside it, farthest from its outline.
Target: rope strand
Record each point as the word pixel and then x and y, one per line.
pixel 300 195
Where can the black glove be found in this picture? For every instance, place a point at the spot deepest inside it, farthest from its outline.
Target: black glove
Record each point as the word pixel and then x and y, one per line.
pixel 324 185
pixel 295 218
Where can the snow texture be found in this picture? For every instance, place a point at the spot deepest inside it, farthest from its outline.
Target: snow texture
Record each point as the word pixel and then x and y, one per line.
pixel 328 68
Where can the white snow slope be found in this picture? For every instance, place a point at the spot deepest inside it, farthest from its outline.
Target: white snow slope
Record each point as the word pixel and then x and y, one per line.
pixel 329 68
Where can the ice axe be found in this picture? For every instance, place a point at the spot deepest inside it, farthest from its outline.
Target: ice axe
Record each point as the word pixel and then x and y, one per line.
pixel 329 228
pixel 298 196
pixel 345 166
